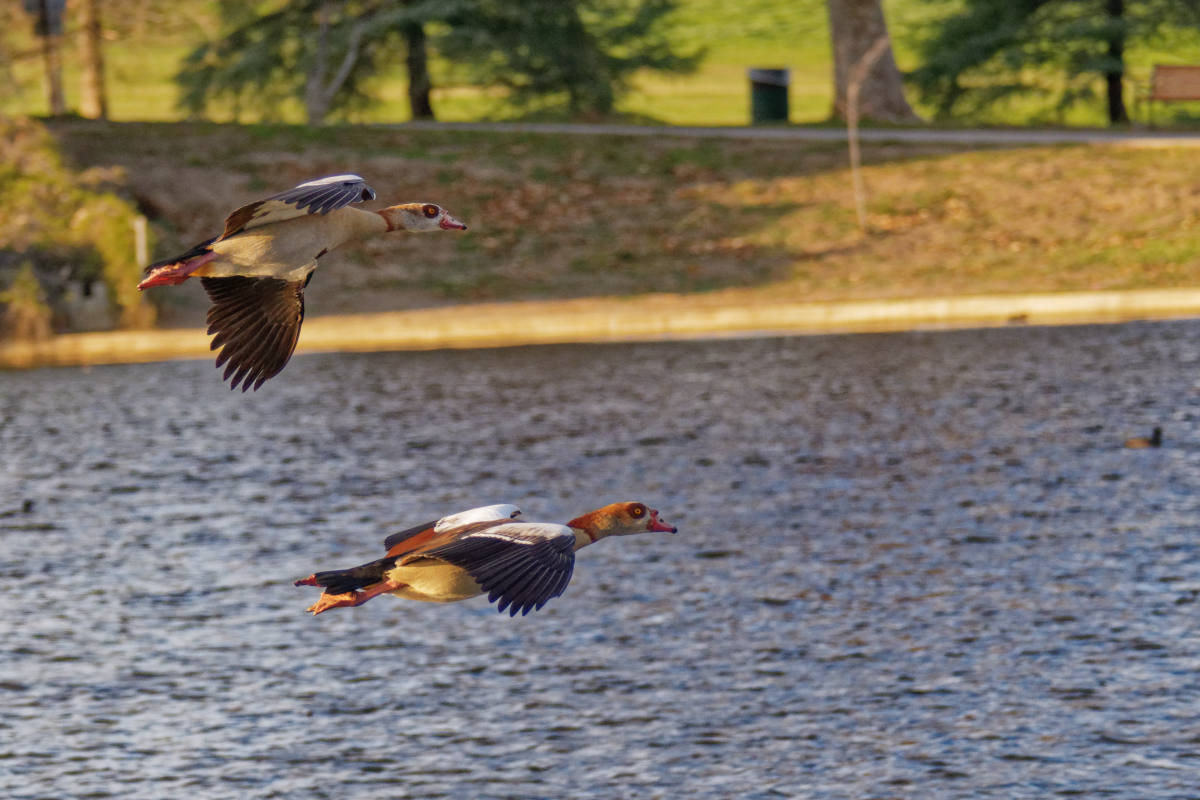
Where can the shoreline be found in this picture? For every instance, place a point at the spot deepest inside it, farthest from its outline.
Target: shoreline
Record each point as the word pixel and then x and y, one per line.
pixel 643 318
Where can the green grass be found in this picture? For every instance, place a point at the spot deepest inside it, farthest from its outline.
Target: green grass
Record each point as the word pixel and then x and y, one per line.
pixel 750 33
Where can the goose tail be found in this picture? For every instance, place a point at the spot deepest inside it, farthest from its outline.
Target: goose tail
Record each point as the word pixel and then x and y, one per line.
pixel 339 581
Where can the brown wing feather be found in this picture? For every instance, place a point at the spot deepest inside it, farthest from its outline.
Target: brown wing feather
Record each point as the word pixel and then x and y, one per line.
pixel 239 219
pixel 410 539
pixel 419 535
pixel 416 545
pixel 256 323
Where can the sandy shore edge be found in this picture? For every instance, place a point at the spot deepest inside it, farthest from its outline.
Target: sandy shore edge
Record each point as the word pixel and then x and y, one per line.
pixel 644 318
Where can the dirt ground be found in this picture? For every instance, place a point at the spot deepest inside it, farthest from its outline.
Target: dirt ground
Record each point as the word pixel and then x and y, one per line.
pixel 561 216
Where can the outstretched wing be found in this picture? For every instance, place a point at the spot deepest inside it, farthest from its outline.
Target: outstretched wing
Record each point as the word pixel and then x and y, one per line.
pixel 494 513
pixel 256 322
pixel 520 564
pixel 318 196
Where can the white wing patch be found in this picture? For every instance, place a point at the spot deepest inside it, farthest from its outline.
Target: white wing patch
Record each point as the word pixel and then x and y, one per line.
pixel 493 513
pixel 524 533
pixel 331 179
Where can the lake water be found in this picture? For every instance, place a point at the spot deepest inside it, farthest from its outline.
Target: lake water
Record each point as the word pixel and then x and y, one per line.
pixel 909 565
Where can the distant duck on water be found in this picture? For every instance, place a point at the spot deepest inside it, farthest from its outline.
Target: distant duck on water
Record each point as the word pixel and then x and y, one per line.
pixel 1141 442
pixel 255 271
pixel 487 550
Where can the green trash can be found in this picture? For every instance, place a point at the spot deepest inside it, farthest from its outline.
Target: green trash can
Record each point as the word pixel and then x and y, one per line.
pixel 768 95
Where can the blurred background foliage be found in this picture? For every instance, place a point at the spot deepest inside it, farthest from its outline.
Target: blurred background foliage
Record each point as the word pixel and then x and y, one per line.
pixel 676 62
pixel 1055 56
pixel 577 56
pixel 66 240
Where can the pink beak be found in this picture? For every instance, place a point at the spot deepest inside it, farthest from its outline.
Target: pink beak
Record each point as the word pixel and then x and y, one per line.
pixel 449 223
pixel 658 525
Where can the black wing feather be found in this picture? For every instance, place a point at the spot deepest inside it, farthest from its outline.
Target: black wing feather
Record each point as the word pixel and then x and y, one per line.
pixel 256 323
pixel 274 356
pixel 520 574
pixel 514 578
pixel 320 200
pixel 543 584
pixel 523 593
pixel 323 198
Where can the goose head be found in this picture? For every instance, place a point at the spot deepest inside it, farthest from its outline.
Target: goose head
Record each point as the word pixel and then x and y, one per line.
pixel 620 519
pixel 420 217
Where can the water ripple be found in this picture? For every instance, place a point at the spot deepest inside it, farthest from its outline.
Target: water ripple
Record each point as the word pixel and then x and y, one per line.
pixel 909 565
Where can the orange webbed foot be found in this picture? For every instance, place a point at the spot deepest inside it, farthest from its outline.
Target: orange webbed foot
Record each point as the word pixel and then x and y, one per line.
pixel 327 601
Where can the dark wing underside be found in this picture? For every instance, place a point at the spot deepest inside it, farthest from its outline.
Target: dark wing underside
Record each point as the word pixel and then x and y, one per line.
pixel 521 571
pixel 323 195
pixel 255 322
pixel 319 196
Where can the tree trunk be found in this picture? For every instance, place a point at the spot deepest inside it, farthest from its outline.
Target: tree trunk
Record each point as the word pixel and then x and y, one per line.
pixel 855 26
pixel 417 61
pixel 93 102
pixel 316 103
pixel 1114 77
pixel 49 29
pixel 319 94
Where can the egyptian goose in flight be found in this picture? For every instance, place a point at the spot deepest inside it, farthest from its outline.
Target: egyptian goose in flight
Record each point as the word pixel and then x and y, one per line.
pixel 520 565
pixel 256 270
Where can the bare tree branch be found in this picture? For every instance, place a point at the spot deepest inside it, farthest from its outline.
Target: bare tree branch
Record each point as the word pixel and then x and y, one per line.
pixel 858 74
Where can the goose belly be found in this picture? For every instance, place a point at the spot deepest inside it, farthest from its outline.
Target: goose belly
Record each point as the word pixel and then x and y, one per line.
pixel 285 250
pixel 433 581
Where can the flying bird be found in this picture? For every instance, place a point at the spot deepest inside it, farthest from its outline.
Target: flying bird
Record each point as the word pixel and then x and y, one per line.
pixel 256 270
pixel 519 565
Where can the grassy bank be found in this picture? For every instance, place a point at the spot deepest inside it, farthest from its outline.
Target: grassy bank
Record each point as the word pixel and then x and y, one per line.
pixel 556 216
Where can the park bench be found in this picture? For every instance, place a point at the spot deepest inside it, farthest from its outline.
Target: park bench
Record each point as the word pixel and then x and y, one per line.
pixel 1172 83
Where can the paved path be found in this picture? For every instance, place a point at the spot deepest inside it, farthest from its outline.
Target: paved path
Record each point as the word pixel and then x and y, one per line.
pixel 980 136
pixel 646 317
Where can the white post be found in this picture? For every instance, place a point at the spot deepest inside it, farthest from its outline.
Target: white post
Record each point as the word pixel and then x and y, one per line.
pixel 140 251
